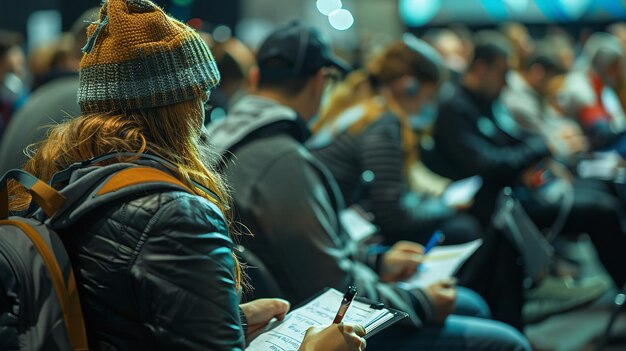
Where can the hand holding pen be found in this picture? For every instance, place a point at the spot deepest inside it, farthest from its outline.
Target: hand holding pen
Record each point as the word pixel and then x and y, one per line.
pixel 435 240
pixel 345 303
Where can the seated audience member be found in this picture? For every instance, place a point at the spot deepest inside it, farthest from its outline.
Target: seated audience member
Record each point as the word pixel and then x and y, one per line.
pixel 13 84
pixel 235 62
pixel 155 269
pixel 290 202
pixel 50 104
pixel 475 134
pixel 526 98
pixel 522 44
pixel 372 132
pixel 590 93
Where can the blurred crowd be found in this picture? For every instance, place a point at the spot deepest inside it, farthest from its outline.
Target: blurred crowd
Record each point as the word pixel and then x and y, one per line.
pixel 540 121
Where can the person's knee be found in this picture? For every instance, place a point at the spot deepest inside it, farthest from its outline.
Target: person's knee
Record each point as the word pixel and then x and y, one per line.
pixel 511 339
pixel 471 304
pixel 506 338
pixel 487 335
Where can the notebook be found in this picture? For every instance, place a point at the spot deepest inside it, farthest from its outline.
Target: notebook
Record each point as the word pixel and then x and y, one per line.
pixel 320 311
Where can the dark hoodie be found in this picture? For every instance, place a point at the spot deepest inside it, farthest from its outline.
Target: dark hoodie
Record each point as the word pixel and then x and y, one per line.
pixel 290 202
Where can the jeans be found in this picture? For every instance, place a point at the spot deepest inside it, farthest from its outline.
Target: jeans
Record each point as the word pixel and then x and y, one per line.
pixel 466 330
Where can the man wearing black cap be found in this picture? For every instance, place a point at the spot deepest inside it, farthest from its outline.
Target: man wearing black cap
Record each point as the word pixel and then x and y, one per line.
pixel 290 202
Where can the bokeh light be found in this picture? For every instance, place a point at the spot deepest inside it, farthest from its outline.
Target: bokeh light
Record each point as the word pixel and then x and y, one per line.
pixel 416 13
pixel 326 7
pixel 341 19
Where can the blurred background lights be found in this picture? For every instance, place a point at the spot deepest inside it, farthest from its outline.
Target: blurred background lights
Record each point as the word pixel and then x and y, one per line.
pixel 418 12
pixel 341 19
pixel 222 33
pixel 518 5
pixel 326 7
pixel 573 9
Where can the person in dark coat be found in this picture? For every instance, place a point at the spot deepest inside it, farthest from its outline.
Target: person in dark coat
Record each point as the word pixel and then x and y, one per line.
pixel 290 202
pixel 475 134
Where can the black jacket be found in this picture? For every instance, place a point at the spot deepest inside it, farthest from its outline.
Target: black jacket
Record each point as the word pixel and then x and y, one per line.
pixel 153 267
pixel 472 140
pixel 290 202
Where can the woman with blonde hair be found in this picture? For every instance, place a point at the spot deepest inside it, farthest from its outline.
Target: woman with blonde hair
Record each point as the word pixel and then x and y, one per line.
pixel 154 267
pixel 366 127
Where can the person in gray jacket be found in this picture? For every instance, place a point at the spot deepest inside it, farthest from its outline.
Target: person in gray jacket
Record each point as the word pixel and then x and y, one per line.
pixel 290 202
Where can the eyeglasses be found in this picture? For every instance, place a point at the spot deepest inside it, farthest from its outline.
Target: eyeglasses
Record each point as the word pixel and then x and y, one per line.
pixel 331 78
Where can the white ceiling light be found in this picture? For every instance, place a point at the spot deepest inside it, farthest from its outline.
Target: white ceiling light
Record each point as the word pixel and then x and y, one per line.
pixel 341 19
pixel 326 7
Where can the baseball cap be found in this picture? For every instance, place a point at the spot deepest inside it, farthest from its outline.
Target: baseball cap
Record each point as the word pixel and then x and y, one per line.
pixel 303 47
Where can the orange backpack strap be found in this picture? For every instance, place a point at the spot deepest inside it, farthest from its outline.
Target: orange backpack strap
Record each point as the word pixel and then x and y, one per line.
pixel 44 195
pixel 139 175
pixel 66 295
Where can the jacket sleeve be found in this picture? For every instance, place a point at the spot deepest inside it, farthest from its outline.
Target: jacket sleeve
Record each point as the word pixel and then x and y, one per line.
pixel 184 278
pixel 396 209
pixel 459 139
pixel 295 211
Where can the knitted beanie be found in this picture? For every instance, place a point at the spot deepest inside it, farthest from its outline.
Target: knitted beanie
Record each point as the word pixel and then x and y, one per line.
pixel 137 57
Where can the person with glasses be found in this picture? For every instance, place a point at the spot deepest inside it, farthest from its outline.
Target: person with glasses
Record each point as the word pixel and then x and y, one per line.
pixel 290 202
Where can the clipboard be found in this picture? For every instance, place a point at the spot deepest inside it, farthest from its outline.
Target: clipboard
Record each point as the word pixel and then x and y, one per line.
pixel 380 325
pixel 376 326
pixel 288 334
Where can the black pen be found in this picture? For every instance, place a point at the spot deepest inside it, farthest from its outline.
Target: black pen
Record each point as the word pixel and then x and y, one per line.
pixel 345 303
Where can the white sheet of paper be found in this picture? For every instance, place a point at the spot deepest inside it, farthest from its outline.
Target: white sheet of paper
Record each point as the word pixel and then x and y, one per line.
pixel 355 225
pixel 288 334
pixel 462 191
pixel 603 166
pixel 441 263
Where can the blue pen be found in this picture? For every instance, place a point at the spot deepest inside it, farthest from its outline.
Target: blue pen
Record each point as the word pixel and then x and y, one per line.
pixel 437 238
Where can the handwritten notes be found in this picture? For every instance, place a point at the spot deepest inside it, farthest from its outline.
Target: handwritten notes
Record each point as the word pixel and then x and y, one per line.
pixel 287 335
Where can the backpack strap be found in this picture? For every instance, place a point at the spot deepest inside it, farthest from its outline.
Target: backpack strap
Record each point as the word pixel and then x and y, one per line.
pixel 139 175
pixel 64 175
pixel 67 295
pixel 50 201
pixel 44 195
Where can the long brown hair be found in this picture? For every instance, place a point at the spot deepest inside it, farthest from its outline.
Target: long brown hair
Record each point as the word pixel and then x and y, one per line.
pixel 171 132
pixel 362 87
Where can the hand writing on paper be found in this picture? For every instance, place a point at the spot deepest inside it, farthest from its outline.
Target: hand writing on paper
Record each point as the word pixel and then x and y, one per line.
pixel 443 297
pixel 401 261
pixel 260 312
pixel 337 337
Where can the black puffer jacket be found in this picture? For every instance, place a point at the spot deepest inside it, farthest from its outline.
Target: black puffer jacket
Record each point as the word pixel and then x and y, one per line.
pixel 154 268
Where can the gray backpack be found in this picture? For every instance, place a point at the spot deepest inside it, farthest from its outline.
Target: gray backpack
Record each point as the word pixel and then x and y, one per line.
pixel 39 305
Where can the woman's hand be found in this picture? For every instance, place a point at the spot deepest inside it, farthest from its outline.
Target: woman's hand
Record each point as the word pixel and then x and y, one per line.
pixel 336 337
pixel 443 297
pixel 260 312
pixel 401 261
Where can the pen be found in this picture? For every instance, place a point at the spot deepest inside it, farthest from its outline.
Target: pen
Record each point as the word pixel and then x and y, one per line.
pixel 345 303
pixel 437 238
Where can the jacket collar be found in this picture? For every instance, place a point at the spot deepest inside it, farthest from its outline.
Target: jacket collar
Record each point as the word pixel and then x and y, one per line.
pixel 255 116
